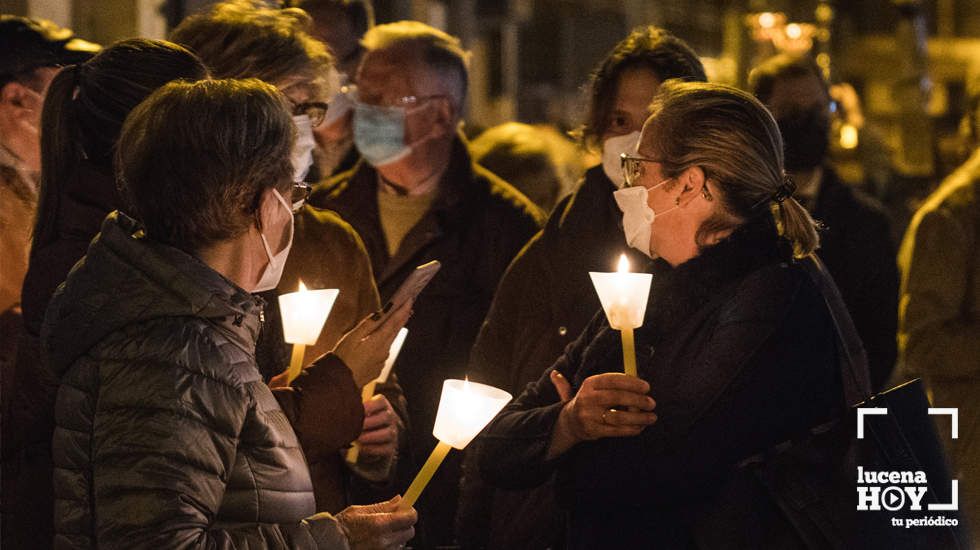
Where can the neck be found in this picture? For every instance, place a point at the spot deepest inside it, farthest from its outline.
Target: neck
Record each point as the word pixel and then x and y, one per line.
pixel 235 260
pixel 420 172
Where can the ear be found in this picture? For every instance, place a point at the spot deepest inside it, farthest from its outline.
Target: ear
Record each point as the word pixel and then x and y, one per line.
pixel 16 94
pixel 691 181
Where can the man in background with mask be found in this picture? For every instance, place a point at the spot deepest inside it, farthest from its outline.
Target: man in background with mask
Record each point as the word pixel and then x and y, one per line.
pixel 340 24
pixel 416 196
pixel 856 245
pixel 31 53
pixel 546 298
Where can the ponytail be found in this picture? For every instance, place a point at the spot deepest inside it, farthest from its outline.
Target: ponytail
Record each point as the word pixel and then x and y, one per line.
pixel 60 152
pixel 792 221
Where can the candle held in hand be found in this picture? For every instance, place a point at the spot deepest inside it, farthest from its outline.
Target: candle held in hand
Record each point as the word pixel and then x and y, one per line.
pixel 464 410
pixel 367 392
pixel 624 296
pixel 303 314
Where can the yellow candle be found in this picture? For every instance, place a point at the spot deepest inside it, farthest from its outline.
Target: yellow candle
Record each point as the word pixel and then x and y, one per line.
pixel 629 352
pixel 296 362
pixel 424 475
pixel 368 391
pixel 465 408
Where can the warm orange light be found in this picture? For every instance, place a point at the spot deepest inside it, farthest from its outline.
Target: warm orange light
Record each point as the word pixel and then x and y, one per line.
pixel 624 264
pixel 302 287
pixel 767 20
pixel 794 31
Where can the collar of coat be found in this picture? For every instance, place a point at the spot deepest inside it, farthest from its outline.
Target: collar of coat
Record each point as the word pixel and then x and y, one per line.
pixel 690 286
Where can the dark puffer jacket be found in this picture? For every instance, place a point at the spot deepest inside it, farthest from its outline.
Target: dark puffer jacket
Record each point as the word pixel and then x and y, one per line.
pixel 166 435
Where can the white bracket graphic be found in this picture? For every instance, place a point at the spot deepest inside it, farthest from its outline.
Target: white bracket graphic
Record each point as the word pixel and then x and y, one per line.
pixel 954 414
pixel 867 410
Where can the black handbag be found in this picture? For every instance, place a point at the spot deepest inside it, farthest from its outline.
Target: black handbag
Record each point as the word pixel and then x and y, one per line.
pixel 812 481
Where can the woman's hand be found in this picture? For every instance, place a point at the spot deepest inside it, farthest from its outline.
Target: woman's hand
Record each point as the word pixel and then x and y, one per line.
pixel 378 526
pixel 607 405
pixel 365 348
pixel 379 436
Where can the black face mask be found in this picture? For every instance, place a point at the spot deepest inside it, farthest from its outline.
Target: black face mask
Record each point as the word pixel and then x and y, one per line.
pixel 806 137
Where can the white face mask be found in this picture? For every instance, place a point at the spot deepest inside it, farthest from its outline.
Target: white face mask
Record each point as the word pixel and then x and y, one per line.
pixel 611 149
pixel 638 217
pixel 273 270
pixel 302 153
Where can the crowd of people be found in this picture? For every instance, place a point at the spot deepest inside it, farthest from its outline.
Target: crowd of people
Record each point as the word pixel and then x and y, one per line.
pixel 158 196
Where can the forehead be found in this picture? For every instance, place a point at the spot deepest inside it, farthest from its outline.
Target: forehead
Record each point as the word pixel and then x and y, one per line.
pixel 392 71
pixel 797 92
pixel 635 87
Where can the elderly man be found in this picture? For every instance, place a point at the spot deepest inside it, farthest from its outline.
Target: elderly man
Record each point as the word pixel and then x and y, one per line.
pixel 856 245
pixel 415 197
pixel 31 51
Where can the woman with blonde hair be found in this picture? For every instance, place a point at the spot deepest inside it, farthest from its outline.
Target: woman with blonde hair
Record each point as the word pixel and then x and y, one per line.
pixel 737 352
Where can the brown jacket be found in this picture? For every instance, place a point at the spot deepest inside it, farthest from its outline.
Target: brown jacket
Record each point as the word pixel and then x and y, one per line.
pixel 939 314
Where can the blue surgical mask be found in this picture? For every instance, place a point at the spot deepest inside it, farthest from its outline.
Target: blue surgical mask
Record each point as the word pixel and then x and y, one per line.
pixel 379 133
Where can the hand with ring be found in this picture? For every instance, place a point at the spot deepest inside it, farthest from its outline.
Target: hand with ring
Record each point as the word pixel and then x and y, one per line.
pixel 607 405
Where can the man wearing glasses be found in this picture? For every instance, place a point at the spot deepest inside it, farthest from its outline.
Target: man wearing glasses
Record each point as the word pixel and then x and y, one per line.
pixel 415 197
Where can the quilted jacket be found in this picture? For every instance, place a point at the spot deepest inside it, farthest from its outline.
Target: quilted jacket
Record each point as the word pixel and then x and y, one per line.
pixel 166 435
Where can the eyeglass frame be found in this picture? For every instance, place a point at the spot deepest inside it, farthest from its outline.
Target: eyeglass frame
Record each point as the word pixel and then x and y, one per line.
pixel 304 109
pixel 630 181
pixel 305 190
pixel 403 102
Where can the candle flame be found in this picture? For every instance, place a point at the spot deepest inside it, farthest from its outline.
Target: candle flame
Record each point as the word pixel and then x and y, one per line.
pixel 624 264
pixel 302 287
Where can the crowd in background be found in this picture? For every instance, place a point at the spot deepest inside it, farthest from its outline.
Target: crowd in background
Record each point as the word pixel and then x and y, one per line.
pixel 156 197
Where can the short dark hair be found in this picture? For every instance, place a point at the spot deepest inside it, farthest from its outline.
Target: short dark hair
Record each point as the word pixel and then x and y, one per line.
pixel 649 47
pixel 440 51
pixel 249 39
pixel 359 13
pixel 764 76
pixel 195 158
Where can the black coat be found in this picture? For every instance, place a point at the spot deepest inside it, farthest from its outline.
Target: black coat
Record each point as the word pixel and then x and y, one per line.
pixel 859 252
pixel 739 351
pixel 544 301
pixel 475 227
pixel 166 434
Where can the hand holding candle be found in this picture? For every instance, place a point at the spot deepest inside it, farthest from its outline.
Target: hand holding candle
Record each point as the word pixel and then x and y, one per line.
pixel 624 296
pixel 464 410
pixel 368 391
pixel 303 314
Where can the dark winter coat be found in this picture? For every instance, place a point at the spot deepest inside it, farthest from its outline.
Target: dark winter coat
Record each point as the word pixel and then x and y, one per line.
pixel 166 436
pixel 739 351
pixel 475 227
pixel 859 252
pixel 544 301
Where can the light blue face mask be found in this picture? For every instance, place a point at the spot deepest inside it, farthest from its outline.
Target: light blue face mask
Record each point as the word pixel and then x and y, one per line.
pixel 379 133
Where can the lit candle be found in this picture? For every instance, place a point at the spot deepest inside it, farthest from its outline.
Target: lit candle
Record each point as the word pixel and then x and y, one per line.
pixel 624 296
pixel 464 410
pixel 303 315
pixel 368 391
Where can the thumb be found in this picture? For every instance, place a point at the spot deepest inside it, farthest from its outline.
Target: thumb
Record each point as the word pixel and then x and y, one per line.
pixel 562 386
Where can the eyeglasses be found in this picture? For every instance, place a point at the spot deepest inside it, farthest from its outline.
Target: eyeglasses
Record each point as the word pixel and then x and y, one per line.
pixel 632 167
pixel 316 110
pixel 300 194
pixel 403 102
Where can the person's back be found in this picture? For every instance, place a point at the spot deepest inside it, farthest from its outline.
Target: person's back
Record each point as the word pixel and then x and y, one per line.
pixel 939 316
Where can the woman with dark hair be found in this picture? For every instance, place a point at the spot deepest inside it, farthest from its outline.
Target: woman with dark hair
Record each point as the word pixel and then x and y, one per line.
pixel 737 352
pixel 167 436
pixel 83 112
pixel 545 298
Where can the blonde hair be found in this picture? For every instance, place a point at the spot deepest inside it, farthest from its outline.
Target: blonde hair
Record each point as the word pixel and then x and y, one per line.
pixel 249 39
pixel 734 139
